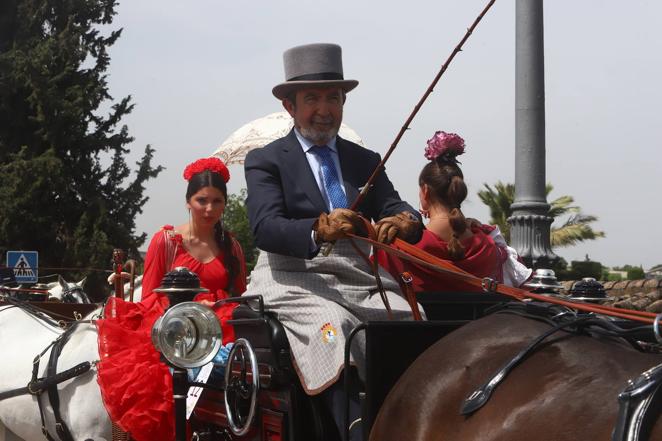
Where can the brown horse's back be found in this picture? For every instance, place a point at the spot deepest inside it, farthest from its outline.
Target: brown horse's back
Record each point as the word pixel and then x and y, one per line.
pixel 566 390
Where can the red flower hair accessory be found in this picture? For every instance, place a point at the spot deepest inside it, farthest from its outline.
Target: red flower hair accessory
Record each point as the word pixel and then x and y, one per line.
pixel 213 164
pixel 445 146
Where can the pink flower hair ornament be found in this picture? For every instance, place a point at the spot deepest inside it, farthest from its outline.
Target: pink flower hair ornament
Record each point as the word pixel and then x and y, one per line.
pixel 444 146
pixel 213 164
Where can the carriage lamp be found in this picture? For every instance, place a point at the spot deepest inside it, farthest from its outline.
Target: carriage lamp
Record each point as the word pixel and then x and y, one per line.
pixel 187 335
pixel 588 290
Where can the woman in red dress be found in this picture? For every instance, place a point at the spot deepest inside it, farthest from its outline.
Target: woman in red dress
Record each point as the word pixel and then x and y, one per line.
pixel 135 384
pixel 476 248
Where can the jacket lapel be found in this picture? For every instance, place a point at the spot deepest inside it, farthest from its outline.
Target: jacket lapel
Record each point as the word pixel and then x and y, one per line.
pixel 301 172
pixel 347 167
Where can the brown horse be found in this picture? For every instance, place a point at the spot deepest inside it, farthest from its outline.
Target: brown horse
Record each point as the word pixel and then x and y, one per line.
pixel 565 390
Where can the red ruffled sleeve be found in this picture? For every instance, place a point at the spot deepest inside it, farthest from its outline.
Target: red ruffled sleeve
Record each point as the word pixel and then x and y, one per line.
pixel 156 262
pixel 135 384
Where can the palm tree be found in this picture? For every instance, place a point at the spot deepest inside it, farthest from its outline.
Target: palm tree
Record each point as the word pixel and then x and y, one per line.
pixel 575 229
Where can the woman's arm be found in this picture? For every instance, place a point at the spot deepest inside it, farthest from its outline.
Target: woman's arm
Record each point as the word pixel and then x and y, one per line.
pixel 155 266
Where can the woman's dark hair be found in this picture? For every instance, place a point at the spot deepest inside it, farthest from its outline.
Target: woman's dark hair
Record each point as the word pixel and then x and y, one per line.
pixel 223 237
pixel 446 183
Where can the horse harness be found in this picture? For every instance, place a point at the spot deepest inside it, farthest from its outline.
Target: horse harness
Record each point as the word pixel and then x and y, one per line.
pixel 639 406
pixel 68 295
pixel 640 401
pixel 49 383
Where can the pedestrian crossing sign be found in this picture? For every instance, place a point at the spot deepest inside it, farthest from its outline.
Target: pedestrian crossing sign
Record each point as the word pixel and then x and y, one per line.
pixel 25 265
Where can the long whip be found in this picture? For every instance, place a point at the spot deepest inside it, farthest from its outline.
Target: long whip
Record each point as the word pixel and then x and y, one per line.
pixel 418 106
pixel 328 247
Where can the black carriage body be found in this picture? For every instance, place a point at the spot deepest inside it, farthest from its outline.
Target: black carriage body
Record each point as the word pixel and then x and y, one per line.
pixel 286 413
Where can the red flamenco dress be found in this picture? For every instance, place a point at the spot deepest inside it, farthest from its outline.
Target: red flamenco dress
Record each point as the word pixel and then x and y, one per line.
pixel 136 385
pixel 486 254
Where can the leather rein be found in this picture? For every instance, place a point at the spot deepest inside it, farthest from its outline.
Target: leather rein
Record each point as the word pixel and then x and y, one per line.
pixel 418 257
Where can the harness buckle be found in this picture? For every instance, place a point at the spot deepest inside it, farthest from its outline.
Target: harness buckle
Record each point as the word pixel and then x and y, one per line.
pixel 406 277
pixel 488 284
pixel 32 390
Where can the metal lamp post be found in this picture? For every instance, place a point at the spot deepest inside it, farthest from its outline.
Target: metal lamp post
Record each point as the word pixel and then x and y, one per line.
pixel 530 222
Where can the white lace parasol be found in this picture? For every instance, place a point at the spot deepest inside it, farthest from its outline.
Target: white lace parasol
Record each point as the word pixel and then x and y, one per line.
pixel 261 132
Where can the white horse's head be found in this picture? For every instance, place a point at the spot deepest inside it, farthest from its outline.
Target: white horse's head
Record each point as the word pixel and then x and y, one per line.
pixel 68 292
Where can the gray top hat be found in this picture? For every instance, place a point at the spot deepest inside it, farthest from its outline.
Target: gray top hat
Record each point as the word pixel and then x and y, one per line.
pixel 313 65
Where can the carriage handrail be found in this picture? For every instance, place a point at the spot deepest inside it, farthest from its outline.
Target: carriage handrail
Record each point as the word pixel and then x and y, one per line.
pixel 243 300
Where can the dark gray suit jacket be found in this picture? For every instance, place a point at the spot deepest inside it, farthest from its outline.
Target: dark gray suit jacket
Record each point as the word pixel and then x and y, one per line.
pixel 284 200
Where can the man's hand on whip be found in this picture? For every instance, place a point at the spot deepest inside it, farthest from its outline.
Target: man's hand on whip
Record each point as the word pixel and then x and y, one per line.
pixel 405 226
pixel 335 225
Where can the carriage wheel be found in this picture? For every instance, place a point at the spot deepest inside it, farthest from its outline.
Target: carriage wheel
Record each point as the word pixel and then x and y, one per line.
pixel 240 395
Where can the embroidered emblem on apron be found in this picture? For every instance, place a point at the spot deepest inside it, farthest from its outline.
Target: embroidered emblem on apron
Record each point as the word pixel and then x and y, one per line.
pixel 328 333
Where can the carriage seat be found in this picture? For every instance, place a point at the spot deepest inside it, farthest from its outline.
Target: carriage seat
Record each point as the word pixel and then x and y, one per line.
pixel 267 337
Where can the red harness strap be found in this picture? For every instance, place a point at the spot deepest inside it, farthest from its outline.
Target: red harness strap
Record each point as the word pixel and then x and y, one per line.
pixel 419 257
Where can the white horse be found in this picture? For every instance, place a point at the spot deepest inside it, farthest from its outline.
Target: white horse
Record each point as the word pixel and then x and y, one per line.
pixel 68 292
pixel 23 337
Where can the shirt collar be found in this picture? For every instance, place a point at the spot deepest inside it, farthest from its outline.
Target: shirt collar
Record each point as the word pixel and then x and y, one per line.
pixel 307 144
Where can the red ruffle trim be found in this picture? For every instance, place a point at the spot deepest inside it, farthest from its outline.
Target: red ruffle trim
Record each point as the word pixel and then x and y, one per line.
pixel 135 385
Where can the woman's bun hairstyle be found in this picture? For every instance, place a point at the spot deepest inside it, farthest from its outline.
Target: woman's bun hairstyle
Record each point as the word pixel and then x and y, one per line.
pixel 445 180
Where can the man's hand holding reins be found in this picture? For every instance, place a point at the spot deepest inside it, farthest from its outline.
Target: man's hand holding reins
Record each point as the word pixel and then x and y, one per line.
pixel 333 226
pixel 403 225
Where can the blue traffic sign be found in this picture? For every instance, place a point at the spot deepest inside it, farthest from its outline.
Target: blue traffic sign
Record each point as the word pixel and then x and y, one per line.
pixel 25 265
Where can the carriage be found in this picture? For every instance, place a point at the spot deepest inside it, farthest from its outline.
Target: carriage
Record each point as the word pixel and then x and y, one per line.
pixel 235 406
pixel 274 406
pixel 258 397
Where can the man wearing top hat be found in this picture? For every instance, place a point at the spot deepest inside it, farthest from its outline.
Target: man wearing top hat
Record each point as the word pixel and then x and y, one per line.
pixel 299 191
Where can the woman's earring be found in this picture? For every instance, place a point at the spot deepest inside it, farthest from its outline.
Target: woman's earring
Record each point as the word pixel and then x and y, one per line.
pixel 424 213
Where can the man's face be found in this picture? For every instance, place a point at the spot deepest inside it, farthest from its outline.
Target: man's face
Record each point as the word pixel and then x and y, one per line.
pixel 317 112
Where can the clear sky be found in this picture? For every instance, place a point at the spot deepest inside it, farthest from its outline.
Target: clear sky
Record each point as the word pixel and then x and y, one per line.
pixel 199 70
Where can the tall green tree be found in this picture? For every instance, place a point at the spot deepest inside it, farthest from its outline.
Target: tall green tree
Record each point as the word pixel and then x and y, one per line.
pixel 65 187
pixel 575 228
pixel 235 218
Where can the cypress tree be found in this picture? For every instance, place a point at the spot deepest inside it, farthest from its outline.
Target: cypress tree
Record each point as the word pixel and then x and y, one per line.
pixel 65 187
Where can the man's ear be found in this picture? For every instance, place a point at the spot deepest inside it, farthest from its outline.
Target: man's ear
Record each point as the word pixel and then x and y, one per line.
pixel 289 106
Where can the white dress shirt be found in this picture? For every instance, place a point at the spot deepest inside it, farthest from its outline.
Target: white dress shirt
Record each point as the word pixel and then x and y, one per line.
pixel 316 167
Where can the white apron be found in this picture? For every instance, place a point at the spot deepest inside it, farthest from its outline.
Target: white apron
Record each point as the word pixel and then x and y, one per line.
pixel 319 301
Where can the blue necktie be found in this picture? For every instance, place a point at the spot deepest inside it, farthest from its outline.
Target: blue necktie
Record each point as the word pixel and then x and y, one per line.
pixel 337 198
